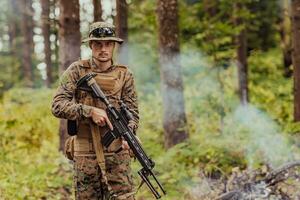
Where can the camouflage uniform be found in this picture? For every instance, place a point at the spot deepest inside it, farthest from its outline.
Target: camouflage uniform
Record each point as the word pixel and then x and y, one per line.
pixel 118 84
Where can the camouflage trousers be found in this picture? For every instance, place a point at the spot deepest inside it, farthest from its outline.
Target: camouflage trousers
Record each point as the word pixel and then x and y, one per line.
pixel 87 177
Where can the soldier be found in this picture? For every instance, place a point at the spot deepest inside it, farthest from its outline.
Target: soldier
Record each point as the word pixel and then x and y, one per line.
pixel 113 180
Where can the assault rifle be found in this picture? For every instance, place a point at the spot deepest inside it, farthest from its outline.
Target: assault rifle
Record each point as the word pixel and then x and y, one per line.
pixel 120 129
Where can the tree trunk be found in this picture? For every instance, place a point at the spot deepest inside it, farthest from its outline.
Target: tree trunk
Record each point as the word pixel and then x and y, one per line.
pixel 31 24
pixel 28 45
pixel 285 35
pixel 54 33
pixel 46 34
pixel 174 118
pixel 241 51
pixel 97 10
pixel 122 29
pixel 296 56
pixel 69 42
pixel 13 26
pixel 69 33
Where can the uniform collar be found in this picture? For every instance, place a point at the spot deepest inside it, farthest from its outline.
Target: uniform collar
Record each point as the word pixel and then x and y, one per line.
pixel 94 66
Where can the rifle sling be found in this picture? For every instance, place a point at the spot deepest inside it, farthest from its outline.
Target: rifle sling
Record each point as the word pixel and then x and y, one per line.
pixel 97 143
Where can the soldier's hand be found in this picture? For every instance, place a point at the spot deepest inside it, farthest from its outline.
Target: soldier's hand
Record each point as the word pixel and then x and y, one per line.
pixel 125 145
pixel 99 116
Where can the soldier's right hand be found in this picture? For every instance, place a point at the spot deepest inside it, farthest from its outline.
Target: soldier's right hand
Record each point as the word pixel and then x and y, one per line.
pixel 99 116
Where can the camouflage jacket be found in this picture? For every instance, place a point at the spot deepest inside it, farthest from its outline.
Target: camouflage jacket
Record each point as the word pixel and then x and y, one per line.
pixel 69 103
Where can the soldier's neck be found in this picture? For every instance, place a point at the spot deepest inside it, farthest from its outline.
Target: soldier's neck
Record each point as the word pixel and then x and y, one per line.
pixel 102 65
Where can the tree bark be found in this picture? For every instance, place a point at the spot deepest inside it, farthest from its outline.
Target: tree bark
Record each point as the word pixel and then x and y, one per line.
pixel 54 33
pixel 69 33
pixel 97 10
pixel 241 51
pixel 296 56
pixel 46 34
pixel 174 118
pixel 122 29
pixel 285 35
pixel 13 26
pixel 28 45
pixel 69 42
pixel 31 24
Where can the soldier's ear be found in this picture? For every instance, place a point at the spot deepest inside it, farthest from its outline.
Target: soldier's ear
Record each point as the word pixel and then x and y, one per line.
pixel 90 44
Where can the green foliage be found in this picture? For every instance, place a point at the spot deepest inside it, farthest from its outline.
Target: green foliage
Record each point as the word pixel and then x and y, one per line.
pixel 263 29
pixel 269 90
pixel 26 118
pixel 31 166
pixel 10 73
pixel 212 27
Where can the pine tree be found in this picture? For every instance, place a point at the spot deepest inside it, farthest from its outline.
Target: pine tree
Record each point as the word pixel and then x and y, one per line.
pixel 46 34
pixel 174 118
pixel 122 29
pixel 27 27
pixel 97 10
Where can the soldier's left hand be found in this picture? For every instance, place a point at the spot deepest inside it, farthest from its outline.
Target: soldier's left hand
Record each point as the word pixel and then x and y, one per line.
pixel 125 145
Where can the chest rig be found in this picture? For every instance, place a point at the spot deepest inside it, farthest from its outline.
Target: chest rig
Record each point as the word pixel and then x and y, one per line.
pixel 111 82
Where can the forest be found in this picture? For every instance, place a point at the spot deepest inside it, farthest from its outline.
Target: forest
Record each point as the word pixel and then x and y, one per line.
pixel 218 85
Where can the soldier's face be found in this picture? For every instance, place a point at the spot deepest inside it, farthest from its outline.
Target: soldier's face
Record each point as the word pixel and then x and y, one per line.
pixel 103 50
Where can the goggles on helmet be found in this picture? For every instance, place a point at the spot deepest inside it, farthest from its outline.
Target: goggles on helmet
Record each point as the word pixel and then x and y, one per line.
pixel 103 32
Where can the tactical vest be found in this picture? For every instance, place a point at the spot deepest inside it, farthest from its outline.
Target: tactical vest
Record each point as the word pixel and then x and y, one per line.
pixel 111 82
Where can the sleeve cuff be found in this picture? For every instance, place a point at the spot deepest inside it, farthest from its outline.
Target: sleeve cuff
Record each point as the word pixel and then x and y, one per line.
pixel 86 111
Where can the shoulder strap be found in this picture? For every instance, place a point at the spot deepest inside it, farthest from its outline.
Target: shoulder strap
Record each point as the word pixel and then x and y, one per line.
pixel 98 147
